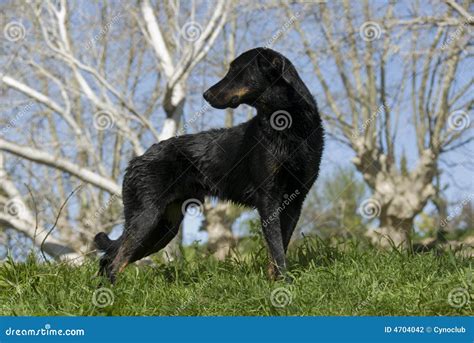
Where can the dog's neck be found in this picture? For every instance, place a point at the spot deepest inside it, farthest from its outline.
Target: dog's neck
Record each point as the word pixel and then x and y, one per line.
pixel 298 103
pixel 294 105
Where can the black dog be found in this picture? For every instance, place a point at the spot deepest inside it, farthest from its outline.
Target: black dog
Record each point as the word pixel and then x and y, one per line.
pixel 268 163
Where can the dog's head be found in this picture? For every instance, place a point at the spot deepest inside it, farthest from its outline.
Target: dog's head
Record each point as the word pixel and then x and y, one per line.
pixel 249 76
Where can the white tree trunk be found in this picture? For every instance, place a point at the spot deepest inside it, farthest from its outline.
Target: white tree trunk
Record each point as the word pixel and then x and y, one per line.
pixel 218 224
pixel 16 215
pixel 396 198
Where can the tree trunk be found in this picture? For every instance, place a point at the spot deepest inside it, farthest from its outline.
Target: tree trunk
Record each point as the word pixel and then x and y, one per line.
pixel 218 224
pixel 15 214
pixel 397 197
pixel 173 105
pixel 219 219
pixel 393 232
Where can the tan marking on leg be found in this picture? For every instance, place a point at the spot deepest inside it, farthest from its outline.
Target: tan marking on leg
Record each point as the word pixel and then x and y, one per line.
pixel 120 262
pixel 122 267
pixel 272 272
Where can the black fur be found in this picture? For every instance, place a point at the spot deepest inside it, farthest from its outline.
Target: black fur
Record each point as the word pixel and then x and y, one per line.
pixel 256 164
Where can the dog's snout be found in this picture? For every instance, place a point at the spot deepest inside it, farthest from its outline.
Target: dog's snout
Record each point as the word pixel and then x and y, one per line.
pixel 207 95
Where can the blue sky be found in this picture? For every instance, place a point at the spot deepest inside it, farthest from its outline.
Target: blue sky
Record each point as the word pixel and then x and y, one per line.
pixel 255 28
pixel 459 178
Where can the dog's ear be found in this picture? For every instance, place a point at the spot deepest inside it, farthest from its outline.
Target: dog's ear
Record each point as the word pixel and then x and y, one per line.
pixel 276 66
pixel 271 64
pixel 290 75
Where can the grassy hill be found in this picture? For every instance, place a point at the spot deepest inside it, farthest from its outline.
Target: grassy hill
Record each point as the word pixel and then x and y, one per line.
pixel 327 280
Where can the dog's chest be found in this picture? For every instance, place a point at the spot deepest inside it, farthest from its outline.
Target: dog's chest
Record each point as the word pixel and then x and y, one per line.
pixel 283 158
pixel 295 164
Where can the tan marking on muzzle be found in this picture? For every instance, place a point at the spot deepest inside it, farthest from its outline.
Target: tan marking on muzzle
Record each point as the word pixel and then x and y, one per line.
pixel 241 92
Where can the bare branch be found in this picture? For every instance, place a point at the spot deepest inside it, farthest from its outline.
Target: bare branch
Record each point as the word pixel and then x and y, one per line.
pixel 56 162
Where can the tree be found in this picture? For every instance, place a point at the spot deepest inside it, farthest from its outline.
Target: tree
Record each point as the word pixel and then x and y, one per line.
pixel 335 200
pixel 93 99
pixel 219 215
pixel 369 69
pixel 177 73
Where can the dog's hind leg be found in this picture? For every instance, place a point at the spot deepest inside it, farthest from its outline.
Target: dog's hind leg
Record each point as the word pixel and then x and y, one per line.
pixel 109 247
pixel 135 240
pixel 148 233
pixel 168 227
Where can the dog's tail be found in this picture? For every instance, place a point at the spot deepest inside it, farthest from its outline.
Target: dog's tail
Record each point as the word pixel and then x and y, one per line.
pixel 103 242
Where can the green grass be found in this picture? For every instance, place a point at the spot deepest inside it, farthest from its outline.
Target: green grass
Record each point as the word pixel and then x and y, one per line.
pixel 344 280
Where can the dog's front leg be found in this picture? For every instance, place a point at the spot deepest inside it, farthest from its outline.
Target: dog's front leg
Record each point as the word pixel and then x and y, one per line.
pixel 270 220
